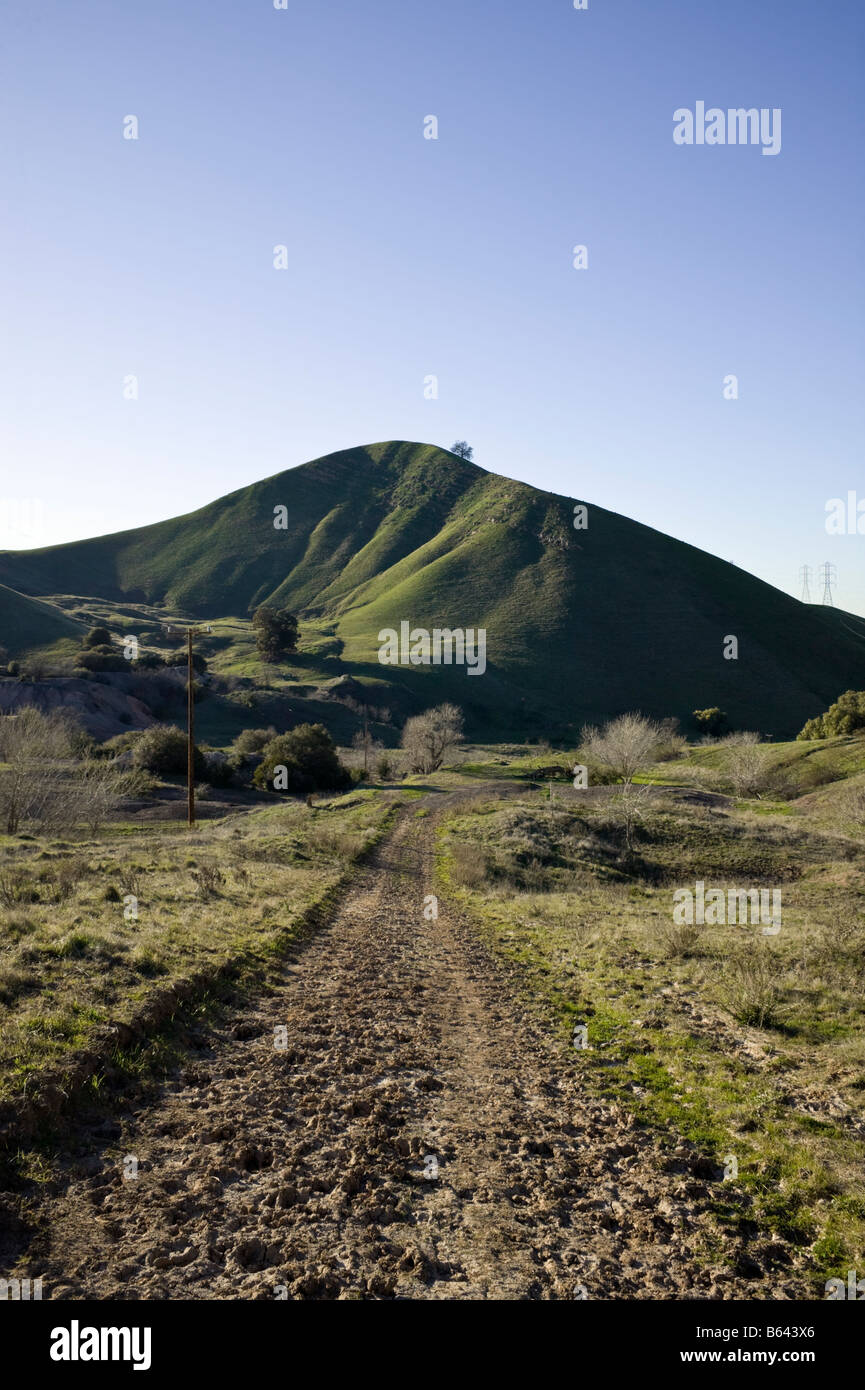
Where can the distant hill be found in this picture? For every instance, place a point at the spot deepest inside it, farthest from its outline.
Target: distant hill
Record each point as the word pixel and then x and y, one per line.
pixel 581 624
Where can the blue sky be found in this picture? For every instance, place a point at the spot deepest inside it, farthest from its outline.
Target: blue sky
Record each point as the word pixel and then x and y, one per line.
pixel 410 257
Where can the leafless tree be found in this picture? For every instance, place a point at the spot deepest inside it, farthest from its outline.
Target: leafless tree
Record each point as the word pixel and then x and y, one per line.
pixel 625 746
pixel 427 737
pixel 98 788
pixel 748 765
pixel 32 745
pixel 42 779
pixel 630 807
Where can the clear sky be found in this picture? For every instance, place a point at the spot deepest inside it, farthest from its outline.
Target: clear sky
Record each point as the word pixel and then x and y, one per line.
pixel 410 257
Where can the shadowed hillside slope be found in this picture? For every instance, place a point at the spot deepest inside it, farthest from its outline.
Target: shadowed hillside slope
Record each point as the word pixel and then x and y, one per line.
pixel 26 623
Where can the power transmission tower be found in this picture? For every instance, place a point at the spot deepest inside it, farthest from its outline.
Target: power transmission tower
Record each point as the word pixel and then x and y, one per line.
pixel 805 576
pixel 829 575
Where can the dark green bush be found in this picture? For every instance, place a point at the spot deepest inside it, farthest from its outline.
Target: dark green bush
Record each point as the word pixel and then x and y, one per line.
pixel 102 658
pixel 254 740
pixel 711 721
pixel 308 755
pixel 162 750
pixel 199 664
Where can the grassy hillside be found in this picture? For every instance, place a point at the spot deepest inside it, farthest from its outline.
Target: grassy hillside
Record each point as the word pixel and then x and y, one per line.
pixel 580 625
pixel 27 623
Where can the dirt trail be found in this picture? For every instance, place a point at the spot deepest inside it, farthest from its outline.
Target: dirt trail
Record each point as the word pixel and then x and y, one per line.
pixel 418 1137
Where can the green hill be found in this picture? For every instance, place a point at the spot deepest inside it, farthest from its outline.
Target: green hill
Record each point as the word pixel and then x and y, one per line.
pixel 28 624
pixel 581 624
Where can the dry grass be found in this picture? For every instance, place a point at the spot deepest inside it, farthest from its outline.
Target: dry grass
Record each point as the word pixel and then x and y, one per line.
pixel 739 1042
pixel 73 956
pixel 753 986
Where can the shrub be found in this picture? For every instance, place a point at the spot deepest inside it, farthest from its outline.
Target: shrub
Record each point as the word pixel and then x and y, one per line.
pixel 208 880
pixel 97 637
pixel 752 990
pixel 120 743
pixel 680 940
pixel 69 874
pixel 629 808
pixel 712 721
pixel 130 880
pixel 199 663
pixel 102 658
pixel 219 769
pixel 846 716
pixel 14 886
pixel 813 729
pixel 163 751
pixel 672 745
pixel 100 784
pixel 304 760
pixel 253 740
pixel 35 668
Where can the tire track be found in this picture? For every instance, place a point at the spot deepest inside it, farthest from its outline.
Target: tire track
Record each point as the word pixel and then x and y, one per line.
pixel 413 1135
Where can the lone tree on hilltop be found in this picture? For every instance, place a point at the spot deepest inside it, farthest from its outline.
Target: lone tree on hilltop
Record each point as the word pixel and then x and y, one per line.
pixel 463 450
pixel 275 632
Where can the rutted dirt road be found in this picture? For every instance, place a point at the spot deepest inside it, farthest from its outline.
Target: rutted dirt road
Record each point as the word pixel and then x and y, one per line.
pixel 417 1137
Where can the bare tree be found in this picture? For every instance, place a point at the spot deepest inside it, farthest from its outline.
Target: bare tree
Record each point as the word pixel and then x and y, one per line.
pixel 747 764
pixel 365 747
pixel 98 789
pixel 427 737
pixel 625 746
pixel 32 745
pixel 630 807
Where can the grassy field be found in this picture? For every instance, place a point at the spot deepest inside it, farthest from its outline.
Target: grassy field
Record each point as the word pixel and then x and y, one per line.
pixel 101 937
pixel 752 1047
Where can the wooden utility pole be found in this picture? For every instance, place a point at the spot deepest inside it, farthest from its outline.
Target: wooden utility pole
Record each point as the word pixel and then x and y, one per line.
pixel 190 721
pixel 365 743
pixel 190 733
